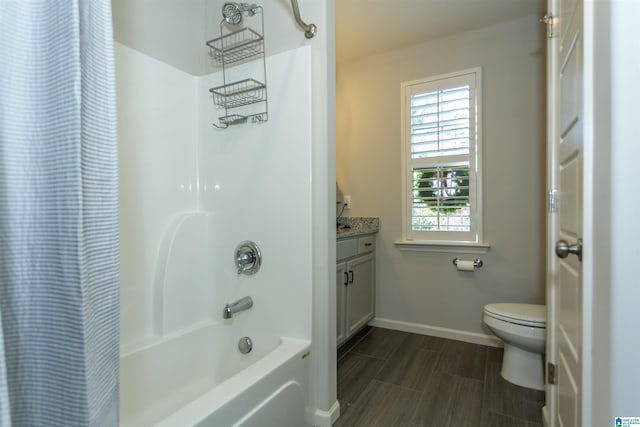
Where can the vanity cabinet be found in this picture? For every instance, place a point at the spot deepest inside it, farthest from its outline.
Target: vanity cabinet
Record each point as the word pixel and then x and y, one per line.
pixel 355 285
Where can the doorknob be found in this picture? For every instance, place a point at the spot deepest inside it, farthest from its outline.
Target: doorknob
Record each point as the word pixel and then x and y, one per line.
pixel 563 249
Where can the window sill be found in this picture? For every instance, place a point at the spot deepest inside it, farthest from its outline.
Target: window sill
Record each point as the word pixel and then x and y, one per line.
pixel 449 247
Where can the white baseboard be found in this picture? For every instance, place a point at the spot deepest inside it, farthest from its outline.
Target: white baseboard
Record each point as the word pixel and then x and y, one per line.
pixel 327 418
pixel 437 331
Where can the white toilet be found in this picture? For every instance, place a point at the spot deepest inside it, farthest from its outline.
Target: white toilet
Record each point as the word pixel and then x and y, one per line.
pixel 522 327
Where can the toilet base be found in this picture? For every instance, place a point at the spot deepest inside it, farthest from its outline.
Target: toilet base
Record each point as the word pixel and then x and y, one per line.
pixel 523 368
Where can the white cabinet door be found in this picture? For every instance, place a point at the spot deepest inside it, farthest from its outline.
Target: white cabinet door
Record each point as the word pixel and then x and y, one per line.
pixel 342 278
pixel 361 301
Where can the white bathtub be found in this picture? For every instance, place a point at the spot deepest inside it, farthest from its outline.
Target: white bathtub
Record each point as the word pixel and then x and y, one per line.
pixel 199 378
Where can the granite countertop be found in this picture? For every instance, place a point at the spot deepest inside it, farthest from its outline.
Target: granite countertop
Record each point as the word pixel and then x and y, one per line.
pixel 358 226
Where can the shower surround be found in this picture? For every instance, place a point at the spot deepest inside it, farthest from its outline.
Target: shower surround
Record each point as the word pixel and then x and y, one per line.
pixel 190 193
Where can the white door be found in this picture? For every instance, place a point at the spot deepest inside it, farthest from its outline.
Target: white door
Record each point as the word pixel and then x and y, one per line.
pixel 566 223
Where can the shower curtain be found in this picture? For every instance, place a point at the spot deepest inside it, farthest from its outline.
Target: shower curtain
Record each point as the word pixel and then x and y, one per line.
pixel 59 262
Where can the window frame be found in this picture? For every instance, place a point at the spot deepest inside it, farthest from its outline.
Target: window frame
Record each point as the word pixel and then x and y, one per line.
pixel 474 237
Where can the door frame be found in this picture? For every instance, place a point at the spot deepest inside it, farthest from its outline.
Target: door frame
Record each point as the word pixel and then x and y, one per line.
pixel 612 142
pixel 549 411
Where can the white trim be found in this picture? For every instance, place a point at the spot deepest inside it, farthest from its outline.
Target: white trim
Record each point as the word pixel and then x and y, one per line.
pixel 475 159
pixel 591 90
pixel 438 331
pixel 449 247
pixel 550 408
pixel 322 372
pixel 327 418
pixel 478 160
pixel 446 76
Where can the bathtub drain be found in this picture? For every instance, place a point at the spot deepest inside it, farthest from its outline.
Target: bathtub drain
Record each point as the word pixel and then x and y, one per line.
pixel 245 345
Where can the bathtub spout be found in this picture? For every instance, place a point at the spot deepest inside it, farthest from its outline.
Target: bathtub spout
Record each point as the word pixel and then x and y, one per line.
pixel 242 304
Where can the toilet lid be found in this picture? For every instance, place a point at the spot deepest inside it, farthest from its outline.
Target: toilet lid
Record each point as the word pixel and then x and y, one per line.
pixel 521 314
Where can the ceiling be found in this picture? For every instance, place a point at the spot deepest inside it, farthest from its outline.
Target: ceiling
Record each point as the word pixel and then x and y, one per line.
pixel 368 27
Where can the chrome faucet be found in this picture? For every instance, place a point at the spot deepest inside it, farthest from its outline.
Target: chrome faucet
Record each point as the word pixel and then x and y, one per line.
pixel 247 258
pixel 242 304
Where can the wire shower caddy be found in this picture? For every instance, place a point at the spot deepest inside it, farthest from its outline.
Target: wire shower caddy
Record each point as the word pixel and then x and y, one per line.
pixel 234 47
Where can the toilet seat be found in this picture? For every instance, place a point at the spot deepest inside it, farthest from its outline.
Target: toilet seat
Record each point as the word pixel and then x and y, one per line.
pixel 520 314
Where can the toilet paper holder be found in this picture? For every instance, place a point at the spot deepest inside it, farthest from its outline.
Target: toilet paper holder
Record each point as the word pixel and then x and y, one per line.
pixel 477 263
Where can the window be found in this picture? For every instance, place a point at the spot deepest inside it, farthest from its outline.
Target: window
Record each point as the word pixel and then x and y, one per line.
pixel 441 158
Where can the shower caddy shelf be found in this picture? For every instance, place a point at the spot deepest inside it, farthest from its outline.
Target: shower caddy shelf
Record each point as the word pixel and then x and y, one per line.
pixel 238 47
pixel 239 94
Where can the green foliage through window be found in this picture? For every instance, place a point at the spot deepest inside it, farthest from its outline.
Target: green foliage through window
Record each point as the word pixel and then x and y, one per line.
pixel 441 198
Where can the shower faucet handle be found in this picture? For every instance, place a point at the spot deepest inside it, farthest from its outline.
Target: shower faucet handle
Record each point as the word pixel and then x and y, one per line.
pixel 248 258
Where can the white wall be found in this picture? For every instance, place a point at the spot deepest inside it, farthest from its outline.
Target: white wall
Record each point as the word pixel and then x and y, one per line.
pixel 168 30
pixel 625 152
pixel 157 134
pixel 255 179
pixel 175 32
pixel 610 366
pixel 422 288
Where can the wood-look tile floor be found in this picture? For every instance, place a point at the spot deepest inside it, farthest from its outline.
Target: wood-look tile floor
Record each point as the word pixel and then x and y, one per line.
pixel 390 378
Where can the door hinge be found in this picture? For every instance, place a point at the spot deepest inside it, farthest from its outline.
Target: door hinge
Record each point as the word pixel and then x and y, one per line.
pixel 548 20
pixel 552 203
pixel 552 374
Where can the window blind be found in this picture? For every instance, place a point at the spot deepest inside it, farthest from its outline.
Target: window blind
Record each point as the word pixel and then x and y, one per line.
pixel 440 122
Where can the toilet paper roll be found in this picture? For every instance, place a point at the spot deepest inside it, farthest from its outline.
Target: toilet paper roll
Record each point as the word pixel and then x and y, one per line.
pixel 465 265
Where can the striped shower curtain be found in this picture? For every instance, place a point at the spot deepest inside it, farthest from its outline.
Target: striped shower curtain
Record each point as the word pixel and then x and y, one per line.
pixel 59 258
